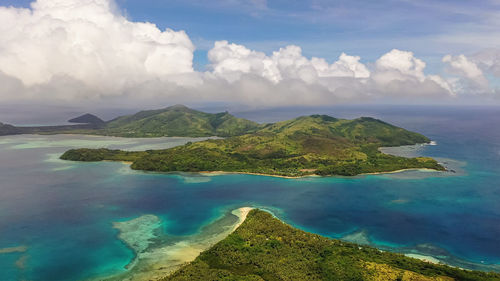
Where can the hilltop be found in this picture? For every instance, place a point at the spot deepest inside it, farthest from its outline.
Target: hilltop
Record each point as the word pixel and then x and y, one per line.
pixel 87 119
pixel 6 129
pixel 179 121
pixel 308 145
pixel 264 248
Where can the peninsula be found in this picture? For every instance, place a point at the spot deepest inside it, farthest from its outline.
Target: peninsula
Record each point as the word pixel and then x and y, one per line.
pixel 307 145
pixel 264 248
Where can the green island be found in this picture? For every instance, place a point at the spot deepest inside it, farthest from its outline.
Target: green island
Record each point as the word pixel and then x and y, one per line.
pixel 173 121
pixel 264 248
pixel 307 145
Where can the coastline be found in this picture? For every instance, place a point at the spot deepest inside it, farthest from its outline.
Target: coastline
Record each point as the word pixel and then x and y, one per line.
pixel 402 170
pixel 217 173
pixel 157 254
pixel 429 259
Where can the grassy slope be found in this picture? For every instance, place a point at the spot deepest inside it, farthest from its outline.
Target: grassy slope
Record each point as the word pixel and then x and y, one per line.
pixel 264 248
pixel 306 145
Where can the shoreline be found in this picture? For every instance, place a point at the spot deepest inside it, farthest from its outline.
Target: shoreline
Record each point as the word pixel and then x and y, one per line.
pixel 108 136
pixel 217 173
pixel 157 255
pixel 402 170
pixel 221 173
pixel 426 258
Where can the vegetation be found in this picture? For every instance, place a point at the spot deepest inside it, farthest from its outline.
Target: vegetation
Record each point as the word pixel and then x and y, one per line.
pixel 264 248
pixel 88 119
pixel 101 154
pixel 174 121
pixel 178 121
pixel 308 145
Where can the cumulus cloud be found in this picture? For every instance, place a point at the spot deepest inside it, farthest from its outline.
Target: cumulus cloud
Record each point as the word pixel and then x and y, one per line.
pixel 400 68
pixel 230 61
pixel 395 73
pixel 488 60
pixel 463 66
pixel 85 52
pixel 400 65
pixel 470 76
pixel 85 40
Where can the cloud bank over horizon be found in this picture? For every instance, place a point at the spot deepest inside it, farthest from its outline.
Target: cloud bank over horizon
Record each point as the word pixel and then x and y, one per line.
pixel 88 52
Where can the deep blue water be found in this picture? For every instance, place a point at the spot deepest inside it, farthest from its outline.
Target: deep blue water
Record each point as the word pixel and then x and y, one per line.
pixel 63 211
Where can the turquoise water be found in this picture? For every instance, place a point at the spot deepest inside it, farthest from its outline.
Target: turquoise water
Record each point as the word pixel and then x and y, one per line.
pixel 63 211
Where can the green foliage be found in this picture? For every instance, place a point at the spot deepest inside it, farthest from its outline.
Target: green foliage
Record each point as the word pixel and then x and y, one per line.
pixel 178 121
pixel 264 248
pixel 90 155
pixel 316 144
pixel 174 121
pixel 88 119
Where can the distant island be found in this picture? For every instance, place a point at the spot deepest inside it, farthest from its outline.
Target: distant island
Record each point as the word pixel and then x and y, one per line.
pixel 173 121
pixel 264 248
pixel 307 145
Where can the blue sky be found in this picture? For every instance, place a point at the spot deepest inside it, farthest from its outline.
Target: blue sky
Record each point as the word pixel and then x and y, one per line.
pixel 323 28
pixel 367 28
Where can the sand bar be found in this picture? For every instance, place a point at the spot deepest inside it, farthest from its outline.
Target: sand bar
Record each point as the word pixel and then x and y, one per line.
pixel 18 249
pixel 158 255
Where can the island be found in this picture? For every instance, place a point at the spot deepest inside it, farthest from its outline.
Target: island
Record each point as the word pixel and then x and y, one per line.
pixel 172 121
pixel 264 248
pixel 309 145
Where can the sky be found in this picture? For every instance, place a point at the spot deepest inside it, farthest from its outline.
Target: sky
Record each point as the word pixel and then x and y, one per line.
pixel 249 53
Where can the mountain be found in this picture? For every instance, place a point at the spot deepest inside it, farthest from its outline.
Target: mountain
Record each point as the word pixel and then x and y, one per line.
pixel 179 121
pixel 174 121
pixel 308 145
pixel 264 248
pixel 6 129
pixel 360 130
pixel 87 119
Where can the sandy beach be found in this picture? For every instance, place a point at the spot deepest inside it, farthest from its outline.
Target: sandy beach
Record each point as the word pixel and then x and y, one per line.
pixel 424 258
pixel 216 173
pixel 402 170
pixel 155 259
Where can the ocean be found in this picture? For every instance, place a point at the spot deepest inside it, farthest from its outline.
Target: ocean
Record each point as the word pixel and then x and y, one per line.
pixel 56 217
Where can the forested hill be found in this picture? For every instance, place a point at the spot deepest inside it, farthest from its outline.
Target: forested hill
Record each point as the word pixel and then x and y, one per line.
pixel 173 121
pixel 179 121
pixel 308 145
pixel 264 248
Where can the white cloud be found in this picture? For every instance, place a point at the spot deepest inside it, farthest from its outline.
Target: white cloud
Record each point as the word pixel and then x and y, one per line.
pixel 403 68
pixel 395 73
pixel 470 79
pixel 230 61
pixel 399 65
pixel 85 40
pixel 488 60
pixel 83 51
pixel 462 65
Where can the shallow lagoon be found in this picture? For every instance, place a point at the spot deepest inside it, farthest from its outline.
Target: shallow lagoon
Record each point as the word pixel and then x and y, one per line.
pixel 61 214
